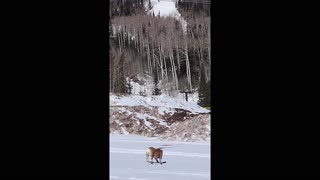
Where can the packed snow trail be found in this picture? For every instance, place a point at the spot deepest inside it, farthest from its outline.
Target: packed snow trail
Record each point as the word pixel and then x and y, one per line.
pixel 185 160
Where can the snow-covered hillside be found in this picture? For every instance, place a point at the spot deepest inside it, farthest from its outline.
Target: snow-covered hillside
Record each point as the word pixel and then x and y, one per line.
pixel 144 61
pixel 144 84
pixel 163 102
pixel 166 8
pixel 185 161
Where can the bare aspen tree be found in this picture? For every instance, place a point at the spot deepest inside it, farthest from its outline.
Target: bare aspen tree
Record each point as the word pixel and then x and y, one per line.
pixel 209 45
pixel 148 57
pixel 119 39
pixel 162 47
pixel 177 53
pixel 160 60
pixel 165 66
pixel 188 65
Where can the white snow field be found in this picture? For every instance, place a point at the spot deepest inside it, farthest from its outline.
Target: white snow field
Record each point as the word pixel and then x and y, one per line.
pixel 184 160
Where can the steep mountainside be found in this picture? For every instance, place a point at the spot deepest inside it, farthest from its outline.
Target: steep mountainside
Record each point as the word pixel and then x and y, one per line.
pixel 160 50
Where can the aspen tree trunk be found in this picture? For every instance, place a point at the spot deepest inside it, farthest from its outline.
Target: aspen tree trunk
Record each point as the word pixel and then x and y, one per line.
pixel 148 57
pixel 161 64
pixel 200 39
pixel 209 45
pixel 177 50
pixel 202 48
pixel 141 40
pixel 123 39
pixel 128 37
pixel 165 67
pixel 153 56
pixel 119 40
pixel 164 62
pixel 138 44
pixel 188 66
pixel 174 71
pixel 135 38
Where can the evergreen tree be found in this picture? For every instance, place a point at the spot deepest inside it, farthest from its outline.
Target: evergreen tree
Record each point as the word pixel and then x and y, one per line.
pixel 122 88
pixel 204 91
pixel 140 91
pixel 150 5
pixel 129 87
pixel 156 91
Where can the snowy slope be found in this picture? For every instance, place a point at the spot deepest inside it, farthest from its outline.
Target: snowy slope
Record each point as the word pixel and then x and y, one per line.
pixel 144 84
pixel 147 86
pixel 165 103
pixel 185 161
pixel 166 8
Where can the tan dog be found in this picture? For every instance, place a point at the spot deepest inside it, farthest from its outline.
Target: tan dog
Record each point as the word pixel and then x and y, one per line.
pixel 154 153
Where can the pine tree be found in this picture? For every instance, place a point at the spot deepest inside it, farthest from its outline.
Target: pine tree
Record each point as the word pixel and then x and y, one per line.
pixel 156 91
pixel 204 91
pixel 140 92
pixel 150 5
pixel 129 87
pixel 122 88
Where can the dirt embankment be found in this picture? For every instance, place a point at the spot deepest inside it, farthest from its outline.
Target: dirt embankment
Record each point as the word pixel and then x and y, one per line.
pixel 178 125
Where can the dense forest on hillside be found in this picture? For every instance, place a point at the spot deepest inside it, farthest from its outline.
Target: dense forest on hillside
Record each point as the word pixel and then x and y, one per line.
pixel 177 55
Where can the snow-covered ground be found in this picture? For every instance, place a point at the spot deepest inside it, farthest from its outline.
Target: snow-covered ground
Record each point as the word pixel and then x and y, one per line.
pixel 148 86
pixel 185 160
pixel 164 102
